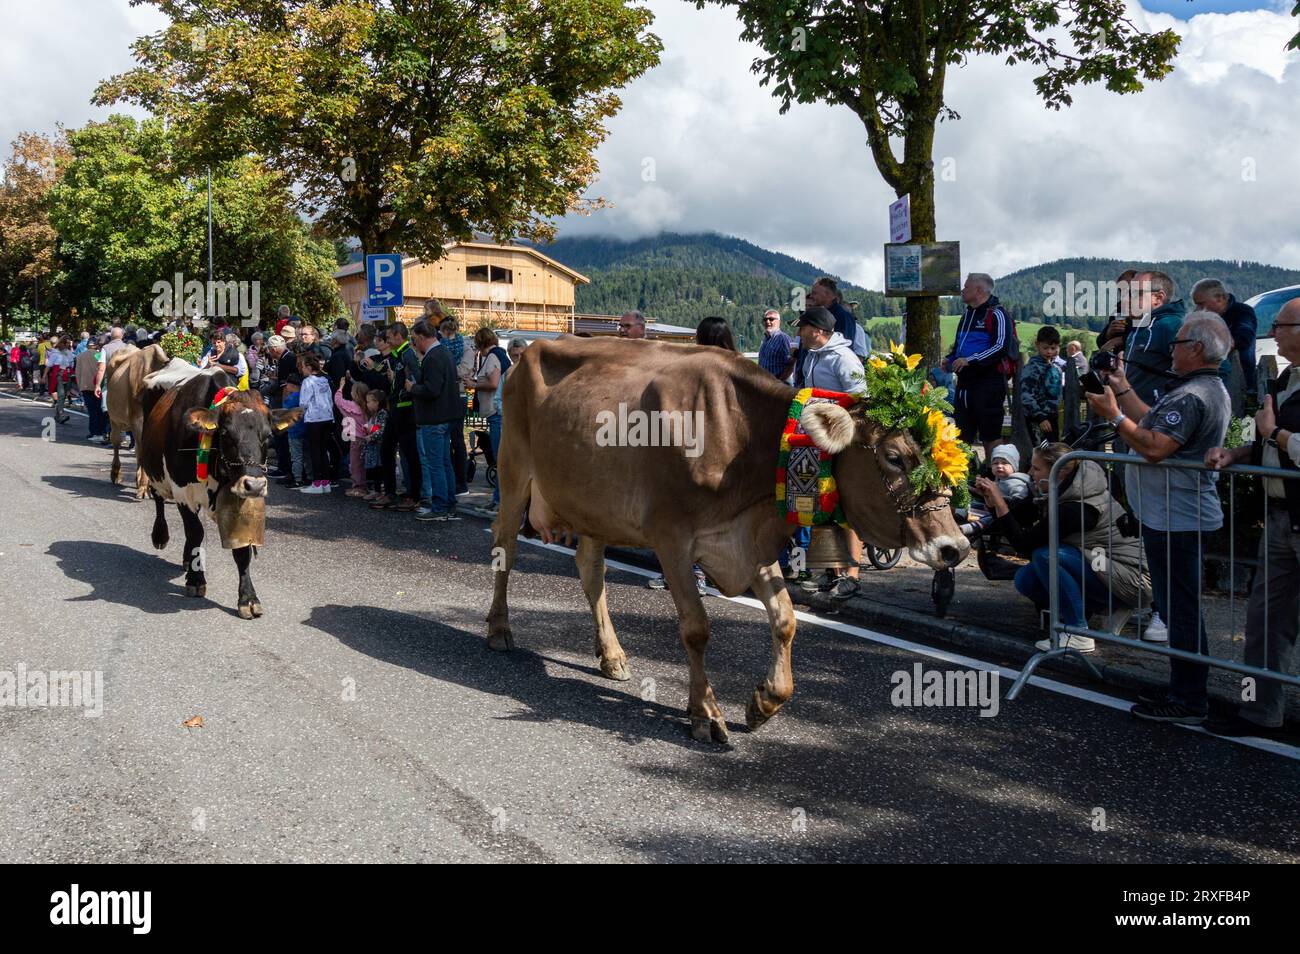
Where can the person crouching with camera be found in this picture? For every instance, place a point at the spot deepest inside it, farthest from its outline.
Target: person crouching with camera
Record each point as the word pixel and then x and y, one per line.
pixel 1176 506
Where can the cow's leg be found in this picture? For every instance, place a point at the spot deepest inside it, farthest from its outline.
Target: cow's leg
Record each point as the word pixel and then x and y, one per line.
pixel 249 607
pixel 514 482
pixel 160 534
pixel 707 722
pixel 116 437
pixel 591 569
pixel 776 690
pixel 141 480
pixel 196 582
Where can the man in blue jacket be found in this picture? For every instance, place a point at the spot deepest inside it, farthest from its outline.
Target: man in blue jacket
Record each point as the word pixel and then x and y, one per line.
pixel 1243 324
pixel 824 293
pixel 984 339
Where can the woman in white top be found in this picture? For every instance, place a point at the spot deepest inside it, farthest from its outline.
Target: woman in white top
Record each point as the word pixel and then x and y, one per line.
pixel 58 375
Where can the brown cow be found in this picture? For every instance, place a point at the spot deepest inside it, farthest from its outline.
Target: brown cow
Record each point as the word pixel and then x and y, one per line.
pixel 125 376
pixel 713 504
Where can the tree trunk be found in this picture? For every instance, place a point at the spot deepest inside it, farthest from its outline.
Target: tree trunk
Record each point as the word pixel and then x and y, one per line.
pixel 923 333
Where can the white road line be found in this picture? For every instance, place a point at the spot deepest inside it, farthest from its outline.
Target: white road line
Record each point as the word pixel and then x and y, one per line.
pixel 1041 682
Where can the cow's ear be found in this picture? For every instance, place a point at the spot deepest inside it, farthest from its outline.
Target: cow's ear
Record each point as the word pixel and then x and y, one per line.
pixel 829 425
pixel 284 419
pixel 200 419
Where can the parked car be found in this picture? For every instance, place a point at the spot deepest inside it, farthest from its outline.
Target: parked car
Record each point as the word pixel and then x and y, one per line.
pixel 1266 306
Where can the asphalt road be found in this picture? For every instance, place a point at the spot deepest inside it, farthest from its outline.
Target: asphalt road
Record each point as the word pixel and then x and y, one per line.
pixel 450 752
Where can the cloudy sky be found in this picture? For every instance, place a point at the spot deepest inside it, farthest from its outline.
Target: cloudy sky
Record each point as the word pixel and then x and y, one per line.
pixel 1205 164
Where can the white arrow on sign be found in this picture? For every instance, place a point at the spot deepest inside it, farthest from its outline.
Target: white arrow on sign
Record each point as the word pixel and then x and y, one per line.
pixel 384 295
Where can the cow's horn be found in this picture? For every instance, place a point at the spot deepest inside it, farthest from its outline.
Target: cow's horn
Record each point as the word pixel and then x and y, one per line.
pixel 829 425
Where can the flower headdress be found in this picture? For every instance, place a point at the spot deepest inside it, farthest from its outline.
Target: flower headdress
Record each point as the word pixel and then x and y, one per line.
pixel 901 399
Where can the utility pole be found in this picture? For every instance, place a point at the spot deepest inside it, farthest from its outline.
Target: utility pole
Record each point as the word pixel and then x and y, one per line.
pixel 210 276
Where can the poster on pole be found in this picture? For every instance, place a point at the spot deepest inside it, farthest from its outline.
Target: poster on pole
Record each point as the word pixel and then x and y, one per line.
pixel 903 268
pixel 900 220
pixel 922 268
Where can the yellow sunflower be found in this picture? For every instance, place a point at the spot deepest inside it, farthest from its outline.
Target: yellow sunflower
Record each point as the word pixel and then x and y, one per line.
pixel 913 361
pixel 945 451
pixel 877 363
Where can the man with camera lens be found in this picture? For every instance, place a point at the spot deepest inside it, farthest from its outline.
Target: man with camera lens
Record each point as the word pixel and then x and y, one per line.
pixel 1174 506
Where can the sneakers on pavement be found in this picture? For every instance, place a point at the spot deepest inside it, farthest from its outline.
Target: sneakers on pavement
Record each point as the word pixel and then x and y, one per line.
pixel 844 588
pixel 1167 712
pixel 822 582
pixel 1236 727
pixel 1082 644
pixel 1155 631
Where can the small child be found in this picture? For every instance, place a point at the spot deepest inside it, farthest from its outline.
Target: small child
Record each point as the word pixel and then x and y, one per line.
pixel 376 404
pixel 1015 488
pixel 297 435
pixel 1040 387
pixel 354 429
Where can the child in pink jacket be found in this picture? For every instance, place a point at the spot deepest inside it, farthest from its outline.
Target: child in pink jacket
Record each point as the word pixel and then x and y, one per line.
pixel 354 428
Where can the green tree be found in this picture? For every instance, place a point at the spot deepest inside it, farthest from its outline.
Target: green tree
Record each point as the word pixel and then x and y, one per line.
pixel 888 62
pixel 406 123
pixel 27 238
pixel 128 219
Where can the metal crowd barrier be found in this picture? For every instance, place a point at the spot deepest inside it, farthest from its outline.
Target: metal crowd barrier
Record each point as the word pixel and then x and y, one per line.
pixel 1114 464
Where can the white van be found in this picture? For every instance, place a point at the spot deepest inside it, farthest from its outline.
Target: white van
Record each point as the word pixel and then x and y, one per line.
pixel 1266 308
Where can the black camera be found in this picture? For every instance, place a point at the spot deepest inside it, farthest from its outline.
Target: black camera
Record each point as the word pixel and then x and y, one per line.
pixel 1104 361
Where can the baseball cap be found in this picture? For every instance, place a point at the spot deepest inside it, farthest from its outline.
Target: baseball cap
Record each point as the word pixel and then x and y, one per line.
pixel 819 318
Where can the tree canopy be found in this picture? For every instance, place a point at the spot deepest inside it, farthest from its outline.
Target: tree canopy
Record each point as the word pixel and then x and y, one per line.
pixel 409 124
pixel 887 61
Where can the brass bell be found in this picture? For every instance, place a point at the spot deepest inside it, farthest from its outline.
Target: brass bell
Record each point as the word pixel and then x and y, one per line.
pixel 830 548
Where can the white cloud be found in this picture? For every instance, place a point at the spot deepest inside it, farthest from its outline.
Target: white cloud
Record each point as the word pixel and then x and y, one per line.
pixel 1156 175
pixel 54 53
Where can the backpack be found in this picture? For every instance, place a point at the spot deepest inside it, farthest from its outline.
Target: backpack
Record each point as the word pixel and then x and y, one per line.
pixel 1009 358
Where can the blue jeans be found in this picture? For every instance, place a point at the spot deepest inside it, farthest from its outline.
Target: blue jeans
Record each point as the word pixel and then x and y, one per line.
pixel 1174 558
pixel 494 434
pixel 437 477
pixel 1034 579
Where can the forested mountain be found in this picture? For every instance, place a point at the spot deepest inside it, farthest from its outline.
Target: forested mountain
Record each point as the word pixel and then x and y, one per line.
pixel 681 278
pixel 1026 292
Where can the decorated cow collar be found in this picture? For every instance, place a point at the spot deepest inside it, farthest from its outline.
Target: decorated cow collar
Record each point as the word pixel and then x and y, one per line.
pixel 806 494
pixel 900 400
pixel 205 438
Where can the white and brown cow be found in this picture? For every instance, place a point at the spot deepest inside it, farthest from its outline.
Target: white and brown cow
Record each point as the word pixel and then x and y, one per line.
pixel 176 417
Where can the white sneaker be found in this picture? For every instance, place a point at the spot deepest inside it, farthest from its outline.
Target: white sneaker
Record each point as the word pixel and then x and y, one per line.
pixel 315 489
pixel 1156 631
pixel 1082 644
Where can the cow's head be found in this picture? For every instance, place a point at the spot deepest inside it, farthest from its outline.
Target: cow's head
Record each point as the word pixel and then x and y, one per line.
pixel 241 430
pixel 872 468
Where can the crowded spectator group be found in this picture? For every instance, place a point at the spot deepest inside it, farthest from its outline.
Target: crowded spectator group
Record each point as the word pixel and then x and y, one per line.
pixel 385 413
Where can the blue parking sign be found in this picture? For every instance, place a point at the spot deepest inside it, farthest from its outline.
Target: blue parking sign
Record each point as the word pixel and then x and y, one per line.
pixel 384 281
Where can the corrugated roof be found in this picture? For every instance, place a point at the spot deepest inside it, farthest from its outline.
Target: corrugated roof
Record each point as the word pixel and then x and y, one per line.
pixel 356 268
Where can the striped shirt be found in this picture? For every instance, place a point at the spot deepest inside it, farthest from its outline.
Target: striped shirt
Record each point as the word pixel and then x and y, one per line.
pixel 774 355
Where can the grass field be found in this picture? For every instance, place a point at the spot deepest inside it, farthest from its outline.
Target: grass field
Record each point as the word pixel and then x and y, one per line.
pixel 1025 330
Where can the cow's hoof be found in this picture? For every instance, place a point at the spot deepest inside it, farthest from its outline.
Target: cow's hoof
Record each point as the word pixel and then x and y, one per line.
pixel 200 590
pixel 160 541
pixel 501 642
pixel 755 715
pixel 615 669
pixel 250 610
pixel 704 729
pixel 256 607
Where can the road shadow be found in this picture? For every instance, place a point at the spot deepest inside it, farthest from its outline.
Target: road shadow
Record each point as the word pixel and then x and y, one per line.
pixel 126 576
pixel 91 487
pixel 434 649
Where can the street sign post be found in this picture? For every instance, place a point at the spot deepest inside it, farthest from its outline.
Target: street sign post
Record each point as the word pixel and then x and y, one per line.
pixel 384 281
pixel 900 220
